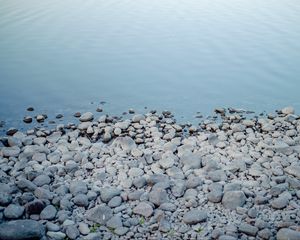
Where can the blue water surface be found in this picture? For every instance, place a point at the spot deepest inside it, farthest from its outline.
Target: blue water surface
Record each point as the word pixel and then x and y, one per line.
pixel 184 56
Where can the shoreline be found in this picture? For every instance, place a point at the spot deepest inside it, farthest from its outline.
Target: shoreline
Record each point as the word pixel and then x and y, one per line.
pixel 148 177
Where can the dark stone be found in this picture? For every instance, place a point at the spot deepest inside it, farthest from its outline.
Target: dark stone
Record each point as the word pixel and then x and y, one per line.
pixel 35 207
pixel 21 230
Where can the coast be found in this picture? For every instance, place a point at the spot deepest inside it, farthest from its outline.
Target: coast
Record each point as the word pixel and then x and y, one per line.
pixel 149 177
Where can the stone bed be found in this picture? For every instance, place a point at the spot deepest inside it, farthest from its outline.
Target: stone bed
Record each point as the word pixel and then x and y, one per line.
pixel 151 178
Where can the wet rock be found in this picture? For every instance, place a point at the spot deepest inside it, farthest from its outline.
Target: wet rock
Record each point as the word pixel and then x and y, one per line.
pixel 86 117
pixel 27 119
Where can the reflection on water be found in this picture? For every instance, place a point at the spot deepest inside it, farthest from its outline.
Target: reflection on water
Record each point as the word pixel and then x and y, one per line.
pixel 185 56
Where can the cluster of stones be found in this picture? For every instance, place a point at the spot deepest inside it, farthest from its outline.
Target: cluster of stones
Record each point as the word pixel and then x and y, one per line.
pixel 151 178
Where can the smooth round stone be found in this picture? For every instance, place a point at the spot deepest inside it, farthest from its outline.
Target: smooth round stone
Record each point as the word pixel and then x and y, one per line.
pixel 27 119
pixel 56 235
pixel 88 116
pixel 115 202
pixel 48 213
pixel 72 232
pixel 83 228
pixel 13 211
pixel 233 199
pixel 143 209
pixel 108 193
pixel 135 172
pixel 194 216
pixel 120 231
pixel 81 200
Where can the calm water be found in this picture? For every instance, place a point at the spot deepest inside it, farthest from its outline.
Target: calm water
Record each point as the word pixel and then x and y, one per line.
pixel 185 56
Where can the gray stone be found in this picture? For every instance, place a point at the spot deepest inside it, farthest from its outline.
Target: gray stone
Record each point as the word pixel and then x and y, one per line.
pixel 158 196
pixel 233 199
pixel 81 200
pixel 83 228
pixel 179 188
pixel 120 231
pixel 288 234
pixel 52 227
pixel 5 199
pixel 108 193
pixel 13 211
pixel 135 172
pixel 56 235
pixel 293 170
pixel 164 226
pixel 99 214
pixel 265 233
pixel 114 222
pixel 72 232
pixel 77 187
pixel 191 161
pixel 167 160
pixel 138 118
pixel 280 202
pixel 42 180
pixel 194 216
pixel 125 143
pixel 248 229
pixel 88 116
pixel 26 185
pixel 115 202
pixel 193 182
pixel 168 207
pixel 144 209
pixel 217 175
pixel 139 182
pixel 215 196
pixel 11 151
pixel 21 230
pixel 42 193
pixel 48 213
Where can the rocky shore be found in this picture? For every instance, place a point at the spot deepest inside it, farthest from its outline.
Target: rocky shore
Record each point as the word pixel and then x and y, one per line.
pixel 150 178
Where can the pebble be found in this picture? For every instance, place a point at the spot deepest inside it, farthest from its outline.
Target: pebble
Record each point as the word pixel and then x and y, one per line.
pixel 108 193
pixel 99 214
pixel 248 229
pixel 13 211
pixel 233 199
pixel 195 216
pixel 48 213
pixel 143 209
pixel 86 117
